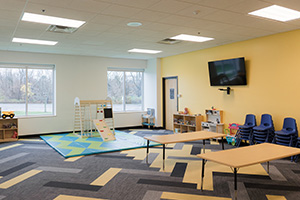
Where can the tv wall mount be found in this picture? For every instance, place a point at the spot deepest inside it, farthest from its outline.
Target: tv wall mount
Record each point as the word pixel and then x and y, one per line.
pixel 226 89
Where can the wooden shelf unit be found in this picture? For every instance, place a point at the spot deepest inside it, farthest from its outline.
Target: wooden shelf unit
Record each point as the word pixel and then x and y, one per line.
pixel 8 127
pixel 214 121
pixel 186 123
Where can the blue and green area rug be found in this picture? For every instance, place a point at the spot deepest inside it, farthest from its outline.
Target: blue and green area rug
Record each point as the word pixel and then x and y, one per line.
pixel 70 145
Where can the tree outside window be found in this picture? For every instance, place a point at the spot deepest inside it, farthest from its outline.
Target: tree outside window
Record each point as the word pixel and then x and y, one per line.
pixel 27 90
pixel 125 88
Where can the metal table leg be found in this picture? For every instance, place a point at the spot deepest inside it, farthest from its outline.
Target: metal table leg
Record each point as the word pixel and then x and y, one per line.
pixel 223 143
pixel 164 152
pixel 268 167
pixel 147 151
pixel 235 184
pixel 203 146
pixel 202 173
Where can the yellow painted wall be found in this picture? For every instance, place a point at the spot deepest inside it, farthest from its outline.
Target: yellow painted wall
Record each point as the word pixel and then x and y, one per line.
pixel 273 76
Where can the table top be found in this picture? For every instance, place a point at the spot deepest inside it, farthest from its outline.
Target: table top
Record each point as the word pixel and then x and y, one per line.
pixel 250 155
pixel 184 137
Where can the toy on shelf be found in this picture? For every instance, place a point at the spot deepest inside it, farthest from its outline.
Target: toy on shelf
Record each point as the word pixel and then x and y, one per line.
pixel 149 118
pixel 6 114
pixel 91 114
pixel 186 111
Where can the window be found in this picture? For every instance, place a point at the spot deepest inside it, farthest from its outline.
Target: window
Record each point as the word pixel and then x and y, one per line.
pixel 125 88
pixel 27 89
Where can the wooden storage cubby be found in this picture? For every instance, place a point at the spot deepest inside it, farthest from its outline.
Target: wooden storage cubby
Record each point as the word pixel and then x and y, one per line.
pixel 8 130
pixel 186 123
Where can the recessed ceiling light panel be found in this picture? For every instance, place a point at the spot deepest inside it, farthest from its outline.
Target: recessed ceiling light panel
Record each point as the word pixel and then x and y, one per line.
pixel 134 24
pixel 144 51
pixel 31 41
pixel 277 13
pixel 44 19
pixel 191 38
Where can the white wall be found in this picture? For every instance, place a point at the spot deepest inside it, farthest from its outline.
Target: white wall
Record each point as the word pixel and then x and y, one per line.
pixel 76 76
pixel 152 88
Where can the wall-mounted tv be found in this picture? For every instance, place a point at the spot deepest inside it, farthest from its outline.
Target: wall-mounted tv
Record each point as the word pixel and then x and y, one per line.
pixel 227 72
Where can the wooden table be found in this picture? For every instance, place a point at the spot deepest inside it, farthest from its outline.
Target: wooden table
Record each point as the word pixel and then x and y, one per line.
pixel 246 156
pixel 182 137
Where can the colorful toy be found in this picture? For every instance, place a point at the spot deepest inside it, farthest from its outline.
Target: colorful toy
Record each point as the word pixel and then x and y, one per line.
pixel 186 111
pixel 10 114
pixel 233 127
pixel 231 133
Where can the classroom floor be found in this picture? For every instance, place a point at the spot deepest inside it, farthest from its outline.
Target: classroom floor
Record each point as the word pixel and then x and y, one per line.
pixel 30 169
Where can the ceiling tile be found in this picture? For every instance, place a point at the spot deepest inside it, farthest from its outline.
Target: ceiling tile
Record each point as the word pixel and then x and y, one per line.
pixel 121 11
pixel 15 5
pixel 170 6
pixel 89 5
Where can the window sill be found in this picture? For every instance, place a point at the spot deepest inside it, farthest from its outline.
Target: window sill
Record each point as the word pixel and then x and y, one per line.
pixel 35 116
pixel 128 112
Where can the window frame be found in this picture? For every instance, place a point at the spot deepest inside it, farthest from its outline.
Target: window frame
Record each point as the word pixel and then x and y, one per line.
pixel 124 70
pixel 27 66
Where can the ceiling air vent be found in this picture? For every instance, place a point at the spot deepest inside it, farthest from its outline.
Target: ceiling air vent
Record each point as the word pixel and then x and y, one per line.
pixel 169 41
pixel 61 29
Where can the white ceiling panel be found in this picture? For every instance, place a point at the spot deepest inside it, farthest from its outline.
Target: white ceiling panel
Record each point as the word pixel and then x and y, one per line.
pixel 56 3
pixel 170 6
pixel 89 5
pixel 121 11
pixel 134 3
pixel 12 5
pixel 106 32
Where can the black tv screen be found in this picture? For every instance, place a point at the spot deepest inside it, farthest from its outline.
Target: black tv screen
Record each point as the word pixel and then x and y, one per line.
pixel 227 72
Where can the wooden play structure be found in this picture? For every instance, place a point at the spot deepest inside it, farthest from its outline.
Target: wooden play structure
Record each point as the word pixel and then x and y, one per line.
pixel 93 115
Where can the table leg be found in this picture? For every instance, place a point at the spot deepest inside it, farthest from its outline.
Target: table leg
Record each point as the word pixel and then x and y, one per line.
pixel 235 183
pixel 202 173
pixel 147 151
pixel 223 143
pixel 203 146
pixel 268 167
pixel 164 153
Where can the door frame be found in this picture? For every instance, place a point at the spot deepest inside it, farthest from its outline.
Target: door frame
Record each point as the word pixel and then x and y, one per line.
pixel 164 96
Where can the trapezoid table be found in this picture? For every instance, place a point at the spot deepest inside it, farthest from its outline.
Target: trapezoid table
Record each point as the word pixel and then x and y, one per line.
pixel 182 137
pixel 246 156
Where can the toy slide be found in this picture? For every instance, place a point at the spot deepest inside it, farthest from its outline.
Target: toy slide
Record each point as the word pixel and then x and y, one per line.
pixel 104 130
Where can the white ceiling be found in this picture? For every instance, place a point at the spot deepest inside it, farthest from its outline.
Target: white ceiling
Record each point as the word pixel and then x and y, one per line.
pixel 106 33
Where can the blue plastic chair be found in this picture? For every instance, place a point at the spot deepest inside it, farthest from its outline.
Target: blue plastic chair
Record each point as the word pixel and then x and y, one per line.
pixel 288 134
pixel 245 131
pixel 265 131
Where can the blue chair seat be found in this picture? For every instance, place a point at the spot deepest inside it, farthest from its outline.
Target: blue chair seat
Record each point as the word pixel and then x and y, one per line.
pixel 246 126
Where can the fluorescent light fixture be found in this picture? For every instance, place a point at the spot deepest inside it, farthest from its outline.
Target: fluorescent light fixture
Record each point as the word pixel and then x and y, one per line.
pixel 191 38
pixel 44 19
pixel 277 13
pixel 144 51
pixel 30 41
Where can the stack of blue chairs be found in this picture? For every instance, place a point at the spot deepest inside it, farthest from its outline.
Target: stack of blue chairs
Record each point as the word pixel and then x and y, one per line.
pixel 245 131
pixel 288 134
pixel 265 131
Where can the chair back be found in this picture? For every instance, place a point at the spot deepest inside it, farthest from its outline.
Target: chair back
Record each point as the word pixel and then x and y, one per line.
pixel 289 124
pixel 266 120
pixel 250 120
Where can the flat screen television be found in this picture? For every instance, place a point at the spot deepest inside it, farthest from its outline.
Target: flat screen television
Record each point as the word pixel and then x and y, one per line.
pixel 227 72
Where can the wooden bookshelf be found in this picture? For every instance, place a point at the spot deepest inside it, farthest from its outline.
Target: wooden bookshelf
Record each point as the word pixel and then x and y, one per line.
pixel 8 130
pixel 186 123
